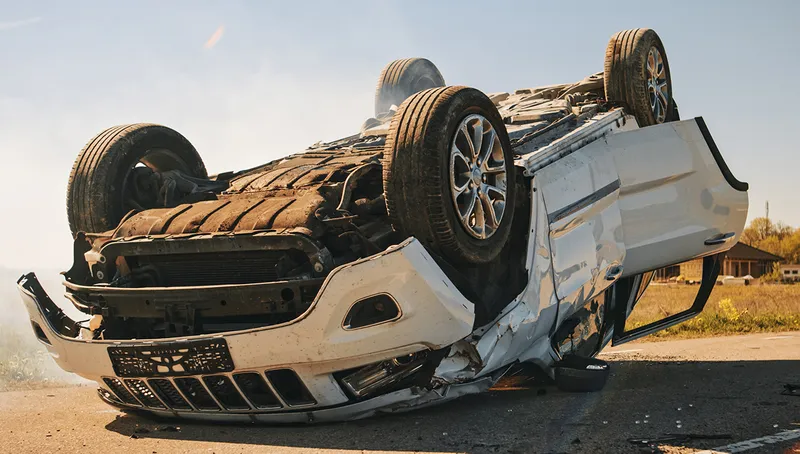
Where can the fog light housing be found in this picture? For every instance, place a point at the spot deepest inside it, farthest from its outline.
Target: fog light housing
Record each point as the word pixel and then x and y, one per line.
pixel 371 311
pixel 375 377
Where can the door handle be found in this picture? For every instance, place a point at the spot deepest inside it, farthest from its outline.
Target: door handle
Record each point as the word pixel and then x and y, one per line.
pixel 614 272
pixel 719 238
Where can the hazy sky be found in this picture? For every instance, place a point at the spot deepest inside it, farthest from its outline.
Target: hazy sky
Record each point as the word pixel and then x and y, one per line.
pixel 283 75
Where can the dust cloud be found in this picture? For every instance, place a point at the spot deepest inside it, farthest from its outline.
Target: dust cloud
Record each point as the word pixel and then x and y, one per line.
pixel 24 362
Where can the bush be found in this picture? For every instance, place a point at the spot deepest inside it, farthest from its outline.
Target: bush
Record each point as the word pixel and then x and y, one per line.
pixel 774 275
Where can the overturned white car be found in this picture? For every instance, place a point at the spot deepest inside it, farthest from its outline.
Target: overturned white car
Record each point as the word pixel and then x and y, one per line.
pixel 455 238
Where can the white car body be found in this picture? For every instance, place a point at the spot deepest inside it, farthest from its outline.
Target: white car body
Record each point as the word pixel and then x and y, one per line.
pixel 609 201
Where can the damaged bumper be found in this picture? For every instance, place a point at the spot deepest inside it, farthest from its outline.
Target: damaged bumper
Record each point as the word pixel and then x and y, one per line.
pixel 291 372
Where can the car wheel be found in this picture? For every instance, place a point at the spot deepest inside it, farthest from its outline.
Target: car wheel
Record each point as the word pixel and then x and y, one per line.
pixel 114 172
pixel 674 115
pixel 448 174
pixel 637 77
pixel 401 79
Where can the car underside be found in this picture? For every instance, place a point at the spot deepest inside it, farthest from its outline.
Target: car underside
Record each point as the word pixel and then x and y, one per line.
pixel 283 226
pixel 456 237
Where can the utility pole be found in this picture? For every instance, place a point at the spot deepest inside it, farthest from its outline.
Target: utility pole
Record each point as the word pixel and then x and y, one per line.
pixel 767 209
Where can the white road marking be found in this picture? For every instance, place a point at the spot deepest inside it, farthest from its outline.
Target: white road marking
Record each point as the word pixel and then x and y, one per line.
pixel 778 337
pixel 747 445
pixel 622 351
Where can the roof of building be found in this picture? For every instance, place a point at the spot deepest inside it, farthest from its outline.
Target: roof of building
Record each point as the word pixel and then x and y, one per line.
pixel 790 266
pixel 741 251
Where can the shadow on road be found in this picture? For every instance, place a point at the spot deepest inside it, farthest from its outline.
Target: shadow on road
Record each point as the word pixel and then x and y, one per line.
pixel 642 399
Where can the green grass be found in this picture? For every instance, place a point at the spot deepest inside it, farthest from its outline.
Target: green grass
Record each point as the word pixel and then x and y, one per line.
pixel 730 310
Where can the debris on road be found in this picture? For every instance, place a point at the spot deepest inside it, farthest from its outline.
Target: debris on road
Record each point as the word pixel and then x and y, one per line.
pixel 144 430
pixel 790 390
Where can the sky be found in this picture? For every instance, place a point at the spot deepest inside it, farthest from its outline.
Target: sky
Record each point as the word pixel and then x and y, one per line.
pixel 247 82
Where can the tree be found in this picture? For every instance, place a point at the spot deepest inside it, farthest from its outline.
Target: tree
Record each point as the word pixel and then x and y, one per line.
pixel 775 238
pixel 762 228
pixel 758 230
pixel 791 247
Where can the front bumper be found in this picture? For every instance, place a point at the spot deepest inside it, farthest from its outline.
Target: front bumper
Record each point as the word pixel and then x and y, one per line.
pixel 313 347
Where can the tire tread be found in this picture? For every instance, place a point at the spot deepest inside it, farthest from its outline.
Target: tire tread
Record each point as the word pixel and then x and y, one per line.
pixel 414 179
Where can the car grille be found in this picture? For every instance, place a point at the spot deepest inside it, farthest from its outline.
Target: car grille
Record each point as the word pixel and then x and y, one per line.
pixel 171 358
pixel 238 267
pixel 146 396
pixel 239 392
pixel 169 394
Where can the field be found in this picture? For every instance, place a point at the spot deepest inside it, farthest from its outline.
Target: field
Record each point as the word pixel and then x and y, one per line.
pixel 730 310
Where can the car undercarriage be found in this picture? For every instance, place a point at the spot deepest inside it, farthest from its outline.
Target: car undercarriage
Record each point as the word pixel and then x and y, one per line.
pixel 286 225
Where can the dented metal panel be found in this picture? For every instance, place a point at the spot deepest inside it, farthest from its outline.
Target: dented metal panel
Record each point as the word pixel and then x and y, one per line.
pixel 580 192
pixel 434 315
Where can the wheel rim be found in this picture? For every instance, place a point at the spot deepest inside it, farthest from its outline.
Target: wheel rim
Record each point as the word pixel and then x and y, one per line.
pixel 478 176
pixel 657 86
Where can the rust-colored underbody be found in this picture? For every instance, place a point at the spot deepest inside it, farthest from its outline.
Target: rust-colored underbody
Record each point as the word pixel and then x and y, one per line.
pixel 278 196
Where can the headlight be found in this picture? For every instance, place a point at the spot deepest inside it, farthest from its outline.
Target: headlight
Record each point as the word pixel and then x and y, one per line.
pixel 374 377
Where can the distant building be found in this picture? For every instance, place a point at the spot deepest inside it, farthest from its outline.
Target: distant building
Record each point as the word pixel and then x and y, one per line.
pixel 790 272
pixel 666 273
pixel 741 260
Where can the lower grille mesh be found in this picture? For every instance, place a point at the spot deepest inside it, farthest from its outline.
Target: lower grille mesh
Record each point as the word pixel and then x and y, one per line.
pixel 289 386
pixel 121 391
pixel 215 392
pixel 256 390
pixel 195 392
pixel 223 389
pixel 143 393
pixel 164 389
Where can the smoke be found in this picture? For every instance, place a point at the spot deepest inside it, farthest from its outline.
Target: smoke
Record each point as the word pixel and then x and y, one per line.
pixel 24 361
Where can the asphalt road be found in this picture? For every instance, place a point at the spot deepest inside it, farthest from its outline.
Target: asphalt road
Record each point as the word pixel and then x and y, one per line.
pixel 727 387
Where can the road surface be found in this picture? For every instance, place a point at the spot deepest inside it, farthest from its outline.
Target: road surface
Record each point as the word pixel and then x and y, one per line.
pixel 728 387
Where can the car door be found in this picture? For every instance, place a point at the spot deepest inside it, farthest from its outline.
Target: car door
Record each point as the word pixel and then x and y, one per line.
pixel 678 200
pixel 580 193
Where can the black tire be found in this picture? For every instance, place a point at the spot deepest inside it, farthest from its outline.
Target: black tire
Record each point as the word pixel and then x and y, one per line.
pixel 674 115
pixel 625 74
pixel 96 188
pixel 401 79
pixel 416 173
pixel 581 375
